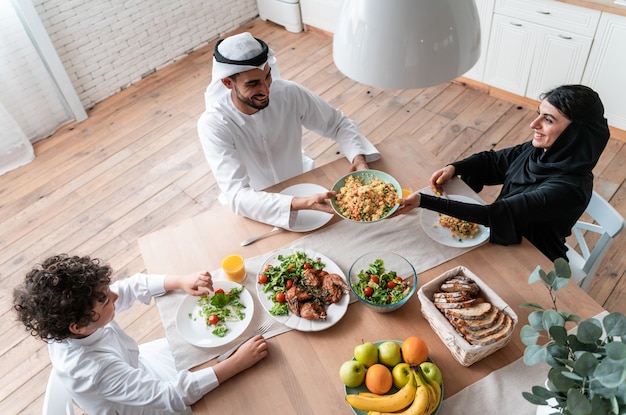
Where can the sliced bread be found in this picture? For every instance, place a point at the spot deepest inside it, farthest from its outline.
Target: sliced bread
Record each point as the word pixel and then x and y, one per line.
pixel 505 330
pixel 477 311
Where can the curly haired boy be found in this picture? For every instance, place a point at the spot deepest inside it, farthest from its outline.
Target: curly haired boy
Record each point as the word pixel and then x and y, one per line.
pixel 70 302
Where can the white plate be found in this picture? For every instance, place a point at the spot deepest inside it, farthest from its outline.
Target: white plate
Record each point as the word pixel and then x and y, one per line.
pixel 307 220
pixel 430 223
pixel 334 312
pixel 195 329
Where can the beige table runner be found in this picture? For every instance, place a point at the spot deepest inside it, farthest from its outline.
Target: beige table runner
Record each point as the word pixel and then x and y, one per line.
pixel 343 243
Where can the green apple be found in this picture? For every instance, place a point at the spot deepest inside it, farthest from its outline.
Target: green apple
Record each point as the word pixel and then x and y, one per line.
pixel 352 373
pixel 366 353
pixel 389 353
pixel 431 372
pixel 401 374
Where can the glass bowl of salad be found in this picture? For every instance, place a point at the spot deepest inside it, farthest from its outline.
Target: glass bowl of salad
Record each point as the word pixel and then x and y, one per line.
pixel 383 281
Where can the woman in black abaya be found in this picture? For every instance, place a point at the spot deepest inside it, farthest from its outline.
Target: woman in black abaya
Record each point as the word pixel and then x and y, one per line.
pixel 546 182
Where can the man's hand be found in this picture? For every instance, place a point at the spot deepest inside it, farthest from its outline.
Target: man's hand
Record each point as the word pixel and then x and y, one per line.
pixel 319 201
pixel 359 163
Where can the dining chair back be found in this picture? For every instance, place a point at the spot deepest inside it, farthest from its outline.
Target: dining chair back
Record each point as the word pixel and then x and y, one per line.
pixel 57 400
pixel 607 222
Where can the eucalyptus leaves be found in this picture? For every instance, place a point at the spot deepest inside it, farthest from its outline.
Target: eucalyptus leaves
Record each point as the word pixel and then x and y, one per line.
pixel 588 368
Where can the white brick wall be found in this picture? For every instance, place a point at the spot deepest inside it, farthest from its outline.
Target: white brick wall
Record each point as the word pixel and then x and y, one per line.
pixel 106 45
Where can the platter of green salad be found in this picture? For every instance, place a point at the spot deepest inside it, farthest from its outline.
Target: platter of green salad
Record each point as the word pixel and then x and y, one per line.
pixel 217 318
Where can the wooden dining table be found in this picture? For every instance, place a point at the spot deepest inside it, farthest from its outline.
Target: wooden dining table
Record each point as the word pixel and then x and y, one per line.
pixel 301 373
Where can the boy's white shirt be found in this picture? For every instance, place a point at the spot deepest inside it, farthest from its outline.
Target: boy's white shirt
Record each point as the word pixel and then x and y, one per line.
pixel 105 372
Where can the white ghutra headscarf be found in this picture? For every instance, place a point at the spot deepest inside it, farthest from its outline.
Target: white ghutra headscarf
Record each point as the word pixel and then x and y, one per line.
pixel 235 54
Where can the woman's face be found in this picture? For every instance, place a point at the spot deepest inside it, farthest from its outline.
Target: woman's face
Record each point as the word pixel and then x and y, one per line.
pixel 548 125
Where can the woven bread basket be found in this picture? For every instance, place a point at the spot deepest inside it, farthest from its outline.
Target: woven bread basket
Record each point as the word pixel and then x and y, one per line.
pixel 464 352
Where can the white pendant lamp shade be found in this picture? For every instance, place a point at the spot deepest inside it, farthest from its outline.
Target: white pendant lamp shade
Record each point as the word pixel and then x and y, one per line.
pixel 406 43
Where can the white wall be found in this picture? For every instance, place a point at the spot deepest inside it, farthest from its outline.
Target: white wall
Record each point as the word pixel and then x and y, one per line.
pixel 107 45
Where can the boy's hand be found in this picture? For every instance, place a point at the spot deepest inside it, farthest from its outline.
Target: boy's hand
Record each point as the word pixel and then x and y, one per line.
pixel 194 284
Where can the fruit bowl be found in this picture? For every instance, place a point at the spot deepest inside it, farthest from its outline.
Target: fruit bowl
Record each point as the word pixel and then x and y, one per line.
pixel 372 286
pixel 388 205
pixel 362 388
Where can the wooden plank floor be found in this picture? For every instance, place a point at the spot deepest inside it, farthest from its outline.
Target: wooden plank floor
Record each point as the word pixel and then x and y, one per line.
pixel 136 166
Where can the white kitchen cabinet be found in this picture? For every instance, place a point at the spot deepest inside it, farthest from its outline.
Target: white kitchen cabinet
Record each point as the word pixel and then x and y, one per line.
pixel 485 12
pixel 606 69
pixel 510 54
pixel 537 45
pixel 559 59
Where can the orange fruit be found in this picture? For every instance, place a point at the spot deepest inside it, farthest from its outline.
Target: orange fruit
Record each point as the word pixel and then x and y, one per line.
pixel 378 379
pixel 414 350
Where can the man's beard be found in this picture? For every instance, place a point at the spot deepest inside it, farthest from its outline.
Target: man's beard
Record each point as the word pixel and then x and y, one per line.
pixel 249 101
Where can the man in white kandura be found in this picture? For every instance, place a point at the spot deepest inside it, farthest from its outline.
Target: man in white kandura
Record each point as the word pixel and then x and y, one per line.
pixel 252 144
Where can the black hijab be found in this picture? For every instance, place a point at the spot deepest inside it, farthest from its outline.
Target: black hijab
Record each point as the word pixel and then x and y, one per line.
pixel 573 155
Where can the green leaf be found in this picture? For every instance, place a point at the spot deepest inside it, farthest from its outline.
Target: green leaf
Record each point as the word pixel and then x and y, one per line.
pixel 535 319
pixel 534 354
pixel 585 364
pixel 552 318
pixel 557 355
pixel 531 305
pixel 559 335
pixel 560 381
pixel 615 324
pixel 589 331
pixel 610 373
pixel 559 283
pixel 616 351
pixel 562 268
pixel 577 403
pixel 529 335
pixel 536 275
pixel 549 279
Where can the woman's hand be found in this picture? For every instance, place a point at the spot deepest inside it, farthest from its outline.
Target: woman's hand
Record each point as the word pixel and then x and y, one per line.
pixel 407 204
pixel 441 177
pixel 194 284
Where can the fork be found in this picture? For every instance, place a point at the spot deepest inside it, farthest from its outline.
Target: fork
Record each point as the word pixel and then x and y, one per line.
pixel 264 328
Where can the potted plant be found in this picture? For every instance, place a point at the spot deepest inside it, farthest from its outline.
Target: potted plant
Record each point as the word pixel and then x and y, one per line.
pixel 587 374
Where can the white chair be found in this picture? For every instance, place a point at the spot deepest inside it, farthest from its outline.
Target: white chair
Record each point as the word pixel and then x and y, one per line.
pixel 584 261
pixel 57 401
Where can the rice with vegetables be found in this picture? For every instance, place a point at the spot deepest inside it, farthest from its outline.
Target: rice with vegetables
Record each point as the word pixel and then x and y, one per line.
pixel 365 202
pixel 460 228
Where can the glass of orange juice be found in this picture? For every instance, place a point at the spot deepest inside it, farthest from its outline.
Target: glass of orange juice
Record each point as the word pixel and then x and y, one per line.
pixel 234 268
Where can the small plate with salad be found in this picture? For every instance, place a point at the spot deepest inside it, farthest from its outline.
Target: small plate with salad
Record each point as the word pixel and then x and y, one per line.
pixel 217 318
pixel 277 275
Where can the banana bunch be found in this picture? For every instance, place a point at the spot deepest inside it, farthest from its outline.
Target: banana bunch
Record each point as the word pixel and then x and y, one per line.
pixel 366 401
pixel 418 397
